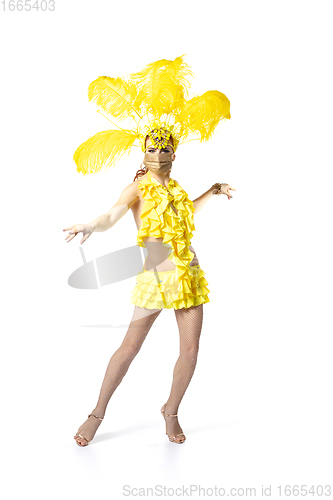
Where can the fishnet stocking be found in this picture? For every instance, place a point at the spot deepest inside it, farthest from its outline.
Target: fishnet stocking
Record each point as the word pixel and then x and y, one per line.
pixel 119 363
pixel 189 323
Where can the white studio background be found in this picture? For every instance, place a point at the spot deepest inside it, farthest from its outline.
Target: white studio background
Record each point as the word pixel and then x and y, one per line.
pixel 258 411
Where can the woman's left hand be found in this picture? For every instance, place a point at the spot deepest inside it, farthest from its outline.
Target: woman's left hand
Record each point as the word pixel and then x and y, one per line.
pixel 224 189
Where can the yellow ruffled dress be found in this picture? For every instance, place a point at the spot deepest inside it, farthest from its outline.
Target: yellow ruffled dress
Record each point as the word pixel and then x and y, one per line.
pixel 184 286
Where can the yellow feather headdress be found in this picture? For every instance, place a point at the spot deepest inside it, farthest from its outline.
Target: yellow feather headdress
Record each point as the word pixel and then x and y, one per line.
pixel 156 99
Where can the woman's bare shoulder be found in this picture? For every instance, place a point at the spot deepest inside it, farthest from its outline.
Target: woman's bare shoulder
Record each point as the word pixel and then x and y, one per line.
pixel 130 194
pixel 143 177
pixel 133 188
pixel 135 184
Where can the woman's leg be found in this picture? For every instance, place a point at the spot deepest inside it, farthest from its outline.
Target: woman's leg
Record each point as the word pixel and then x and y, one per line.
pixel 119 363
pixel 189 323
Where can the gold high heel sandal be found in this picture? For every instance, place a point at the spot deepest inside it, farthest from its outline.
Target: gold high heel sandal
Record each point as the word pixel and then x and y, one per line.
pixel 82 437
pixel 171 438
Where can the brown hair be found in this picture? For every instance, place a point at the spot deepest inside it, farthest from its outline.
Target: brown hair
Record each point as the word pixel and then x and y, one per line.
pixel 143 171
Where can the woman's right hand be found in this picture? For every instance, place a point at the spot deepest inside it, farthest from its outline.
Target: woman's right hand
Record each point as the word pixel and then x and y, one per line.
pixel 85 229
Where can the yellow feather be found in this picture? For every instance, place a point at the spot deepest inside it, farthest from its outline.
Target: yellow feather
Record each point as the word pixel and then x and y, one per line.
pixel 115 96
pixel 103 150
pixel 160 89
pixel 201 114
pixel 163 85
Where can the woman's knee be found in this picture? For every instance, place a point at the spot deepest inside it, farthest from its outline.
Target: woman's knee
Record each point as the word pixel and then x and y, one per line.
pixel 129 349
pixel 189 353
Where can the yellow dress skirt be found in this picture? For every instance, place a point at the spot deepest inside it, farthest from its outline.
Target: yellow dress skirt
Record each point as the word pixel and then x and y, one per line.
pixel 161 289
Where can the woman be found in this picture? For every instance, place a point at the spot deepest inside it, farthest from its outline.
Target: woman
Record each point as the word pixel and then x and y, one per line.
pixel 189 319
pixel 171 277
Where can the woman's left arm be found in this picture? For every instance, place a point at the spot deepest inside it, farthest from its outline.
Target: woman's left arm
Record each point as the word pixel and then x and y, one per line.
pixel 218 189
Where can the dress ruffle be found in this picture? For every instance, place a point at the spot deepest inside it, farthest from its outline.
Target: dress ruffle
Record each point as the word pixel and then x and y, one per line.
pixel 184 286
pixel 161 290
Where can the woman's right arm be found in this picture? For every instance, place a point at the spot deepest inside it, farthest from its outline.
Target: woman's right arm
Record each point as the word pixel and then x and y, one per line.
pixel 104 222
pixel 129 196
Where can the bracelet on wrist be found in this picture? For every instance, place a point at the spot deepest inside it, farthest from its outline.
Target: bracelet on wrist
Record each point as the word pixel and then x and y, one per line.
pixel 217 188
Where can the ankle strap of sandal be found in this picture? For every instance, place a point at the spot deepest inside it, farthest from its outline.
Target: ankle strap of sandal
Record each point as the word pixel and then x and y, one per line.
pixel 95 416
pixel 170 415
